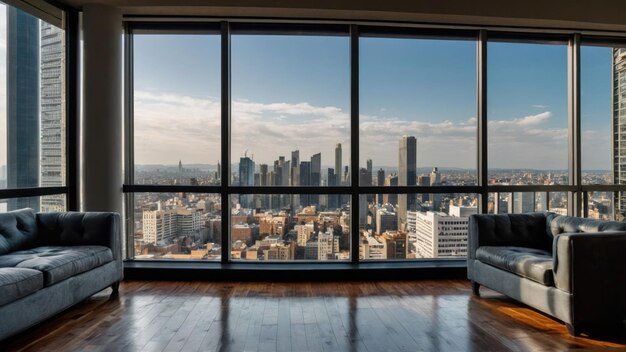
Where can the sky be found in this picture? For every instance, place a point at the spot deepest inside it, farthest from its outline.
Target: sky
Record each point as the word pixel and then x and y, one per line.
pixel 293 92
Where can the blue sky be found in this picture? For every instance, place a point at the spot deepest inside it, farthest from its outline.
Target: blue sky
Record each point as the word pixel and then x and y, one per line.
pixel 293 92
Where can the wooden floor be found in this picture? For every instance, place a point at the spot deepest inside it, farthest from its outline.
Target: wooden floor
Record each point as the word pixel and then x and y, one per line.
pixel 425 315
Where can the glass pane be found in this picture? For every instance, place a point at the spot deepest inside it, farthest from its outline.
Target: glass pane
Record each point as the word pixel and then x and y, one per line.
pixel 417 112
pixel 44 204
pixel 180 226
pixel 600 109
pixel 527 202
pixel 32 110
pixel 437 228
pixel 527 113
pixel 177 109
pixel 558 202
pixel 288 227
pixel 600 206
pixel 290 110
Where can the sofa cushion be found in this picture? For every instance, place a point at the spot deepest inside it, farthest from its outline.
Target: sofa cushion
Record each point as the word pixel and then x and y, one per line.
pixel 16 283
pixel 18 230
pixel 571 224
pixel 533 264
pixel 57 262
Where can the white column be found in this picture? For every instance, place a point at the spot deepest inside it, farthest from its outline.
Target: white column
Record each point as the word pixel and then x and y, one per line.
pixel 102 123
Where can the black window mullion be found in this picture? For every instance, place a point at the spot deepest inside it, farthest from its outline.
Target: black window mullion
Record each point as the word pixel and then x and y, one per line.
pixel 225 140
pixel 481 102
pixel 354 143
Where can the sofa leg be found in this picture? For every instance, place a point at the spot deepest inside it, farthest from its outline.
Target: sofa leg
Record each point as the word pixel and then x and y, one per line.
pixel 476 288
pixel 116 287
pixel 572 330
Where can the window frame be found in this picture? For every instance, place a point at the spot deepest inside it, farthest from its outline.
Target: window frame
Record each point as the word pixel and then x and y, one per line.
pixel 576 191
pixel 70 75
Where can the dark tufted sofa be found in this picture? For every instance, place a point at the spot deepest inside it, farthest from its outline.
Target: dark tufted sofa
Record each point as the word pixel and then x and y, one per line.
pixel 571 268
pixel 51 261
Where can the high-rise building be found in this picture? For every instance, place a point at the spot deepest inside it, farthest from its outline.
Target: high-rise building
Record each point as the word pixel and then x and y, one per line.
pixel 369 172
pixel 407 176
pixel 158 225
pixel 52 115
pixel 523 202
pixel 327 245
pixel 338 163
pixel 305 180
pixel 619 132
pixel 22 77
pixel 435 180
pixel 396 243
pixel 386 221
pixel 246 178
pixel 316 176
pixel 441 235
pixel 372 248
pixel 391 180
pixel 380 181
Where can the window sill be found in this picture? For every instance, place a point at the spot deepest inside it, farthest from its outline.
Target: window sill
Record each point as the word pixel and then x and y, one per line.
pixel 212 271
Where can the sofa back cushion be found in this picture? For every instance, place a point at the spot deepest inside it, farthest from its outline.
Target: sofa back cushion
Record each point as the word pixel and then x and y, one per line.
pixel 519 230
pixel 570 224
pixel 18 230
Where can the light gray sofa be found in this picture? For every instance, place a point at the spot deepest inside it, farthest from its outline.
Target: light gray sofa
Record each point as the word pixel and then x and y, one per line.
pixel 51 261
pixel 571 268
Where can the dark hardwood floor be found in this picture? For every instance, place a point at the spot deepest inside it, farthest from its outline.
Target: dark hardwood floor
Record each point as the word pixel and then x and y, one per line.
pixel 429 315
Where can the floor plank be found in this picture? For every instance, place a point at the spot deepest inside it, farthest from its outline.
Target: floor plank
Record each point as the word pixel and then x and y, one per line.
pixel 427 315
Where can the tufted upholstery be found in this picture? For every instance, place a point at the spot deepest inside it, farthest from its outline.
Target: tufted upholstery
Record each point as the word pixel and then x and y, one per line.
pixel 74 228
pixel 18 230
pixel 48 262
pixel 534 264
pixel 518 230
pixel 570 224
pixel 57 263
pixel 580 280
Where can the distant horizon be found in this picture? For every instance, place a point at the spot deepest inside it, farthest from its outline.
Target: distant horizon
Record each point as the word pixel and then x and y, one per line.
pixel 195 165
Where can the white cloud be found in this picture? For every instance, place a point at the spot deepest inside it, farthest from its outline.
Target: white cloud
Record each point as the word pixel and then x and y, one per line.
pixel 169 128
pixel 539 106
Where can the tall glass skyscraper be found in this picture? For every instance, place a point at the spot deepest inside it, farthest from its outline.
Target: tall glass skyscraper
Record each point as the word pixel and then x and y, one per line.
pixel 52 115
pixel 407 176
pixel 619 126
pixel 246 178
pixel 22 105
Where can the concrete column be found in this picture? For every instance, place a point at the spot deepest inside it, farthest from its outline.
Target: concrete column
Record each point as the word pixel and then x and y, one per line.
pixel 102 123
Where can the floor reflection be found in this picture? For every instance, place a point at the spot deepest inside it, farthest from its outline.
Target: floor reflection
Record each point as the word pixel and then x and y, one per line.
pixel 349 316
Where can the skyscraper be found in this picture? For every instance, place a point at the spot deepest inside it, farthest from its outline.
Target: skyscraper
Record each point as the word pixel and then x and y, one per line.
pixel 619 133
pixel 52 115
pixel 316 175
pixel 246 178
pixel 305 180
pixel 380 181
pixel 22 105
pixel 369 171
pixel 338 162
pixel 523 202
pixel 435 180
pixel 407 164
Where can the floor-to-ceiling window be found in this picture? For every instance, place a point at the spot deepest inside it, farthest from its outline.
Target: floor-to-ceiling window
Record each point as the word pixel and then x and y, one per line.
pixel 274 142
pixel 33 119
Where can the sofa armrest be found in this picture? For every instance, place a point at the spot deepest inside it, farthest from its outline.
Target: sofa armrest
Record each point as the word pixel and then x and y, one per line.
pixel 80 229
pixel 592 267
